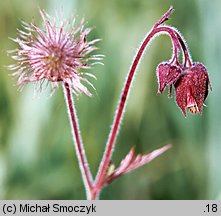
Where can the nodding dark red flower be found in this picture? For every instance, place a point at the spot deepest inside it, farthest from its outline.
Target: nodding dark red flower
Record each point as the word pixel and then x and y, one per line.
pixel 57 53
pixel 167 74
pixel 192 88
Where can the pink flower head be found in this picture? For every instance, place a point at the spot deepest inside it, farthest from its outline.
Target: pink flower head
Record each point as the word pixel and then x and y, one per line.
pixel 56 53
pixel 192 89
pixel 167 74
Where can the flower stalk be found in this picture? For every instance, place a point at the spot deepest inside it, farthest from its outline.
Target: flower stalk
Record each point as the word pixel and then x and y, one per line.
pixel 178 44
pixel 126 89
pixel 82 159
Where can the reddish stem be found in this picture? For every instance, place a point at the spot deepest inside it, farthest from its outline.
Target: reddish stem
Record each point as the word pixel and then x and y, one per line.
pixel 85 171
pixel 187 58
pixel 164 18
pixel 120 110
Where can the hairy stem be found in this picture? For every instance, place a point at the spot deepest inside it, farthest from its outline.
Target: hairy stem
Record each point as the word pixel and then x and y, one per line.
pixel 187 58
pixel 126 88
pixel 82 160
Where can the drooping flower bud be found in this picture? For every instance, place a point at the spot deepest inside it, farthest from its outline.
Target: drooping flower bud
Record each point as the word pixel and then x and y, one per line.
pixel 192 89
pixel 167 74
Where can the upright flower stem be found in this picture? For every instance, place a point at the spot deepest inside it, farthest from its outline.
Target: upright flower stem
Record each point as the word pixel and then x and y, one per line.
pixel 122 103
pixel 82 160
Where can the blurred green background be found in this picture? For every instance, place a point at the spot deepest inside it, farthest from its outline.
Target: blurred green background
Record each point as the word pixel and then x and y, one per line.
pixel 37 157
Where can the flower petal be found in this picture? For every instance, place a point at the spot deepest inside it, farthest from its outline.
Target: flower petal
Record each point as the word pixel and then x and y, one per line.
pixel 167 74
pixel 192 88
